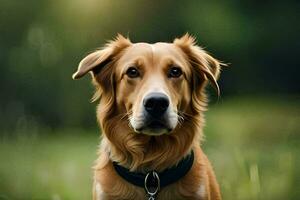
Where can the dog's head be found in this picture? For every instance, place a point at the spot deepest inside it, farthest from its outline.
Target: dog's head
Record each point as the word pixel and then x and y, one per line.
pixel 149 89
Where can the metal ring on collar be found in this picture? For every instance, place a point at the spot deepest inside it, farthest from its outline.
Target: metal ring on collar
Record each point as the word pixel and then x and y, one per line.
pixel 155 175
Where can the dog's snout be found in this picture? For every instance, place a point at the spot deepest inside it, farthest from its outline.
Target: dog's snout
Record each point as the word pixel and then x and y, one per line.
pixel 156 104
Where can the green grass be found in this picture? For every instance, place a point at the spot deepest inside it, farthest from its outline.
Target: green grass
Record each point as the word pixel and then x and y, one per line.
pixel 47 167
pixel 253 145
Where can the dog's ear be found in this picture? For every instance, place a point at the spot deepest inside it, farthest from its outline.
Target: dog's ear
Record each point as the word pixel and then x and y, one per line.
pixel 205 67
pixel 97 60
pixel 101 65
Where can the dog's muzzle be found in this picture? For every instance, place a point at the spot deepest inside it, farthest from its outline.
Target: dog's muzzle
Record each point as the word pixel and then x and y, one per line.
pixel 156 117
pixel 156 120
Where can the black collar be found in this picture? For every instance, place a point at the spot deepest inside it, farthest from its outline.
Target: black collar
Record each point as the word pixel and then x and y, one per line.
pixel 166 177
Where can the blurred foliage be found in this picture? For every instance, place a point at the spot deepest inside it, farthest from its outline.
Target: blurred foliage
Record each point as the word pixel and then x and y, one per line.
pixel 42 42
pixel 253 144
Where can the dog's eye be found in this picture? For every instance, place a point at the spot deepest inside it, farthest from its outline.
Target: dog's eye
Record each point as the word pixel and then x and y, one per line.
pixel 132 72
pixel 174 72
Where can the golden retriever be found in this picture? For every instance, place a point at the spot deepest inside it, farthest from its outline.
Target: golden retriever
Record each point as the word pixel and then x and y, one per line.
pixel 152 99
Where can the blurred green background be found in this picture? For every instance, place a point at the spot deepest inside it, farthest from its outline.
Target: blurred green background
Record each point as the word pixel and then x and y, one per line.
pixel 48 129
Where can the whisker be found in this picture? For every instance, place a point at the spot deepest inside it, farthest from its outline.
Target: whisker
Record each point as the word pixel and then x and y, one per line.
pixel 186 117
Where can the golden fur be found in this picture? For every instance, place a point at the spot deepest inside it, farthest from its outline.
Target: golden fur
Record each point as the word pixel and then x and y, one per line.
pixel 119 97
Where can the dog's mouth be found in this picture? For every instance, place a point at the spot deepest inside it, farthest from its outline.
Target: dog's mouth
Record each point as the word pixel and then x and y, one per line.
pixel 156 124
pixel 155 127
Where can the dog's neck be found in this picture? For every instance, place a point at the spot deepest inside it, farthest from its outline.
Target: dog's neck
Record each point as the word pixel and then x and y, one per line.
pixel 145 153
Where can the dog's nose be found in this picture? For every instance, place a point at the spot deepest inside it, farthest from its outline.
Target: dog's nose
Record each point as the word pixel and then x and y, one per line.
pixel 156 103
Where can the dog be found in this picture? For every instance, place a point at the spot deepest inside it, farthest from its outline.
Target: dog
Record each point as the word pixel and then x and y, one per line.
pixel 151 112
